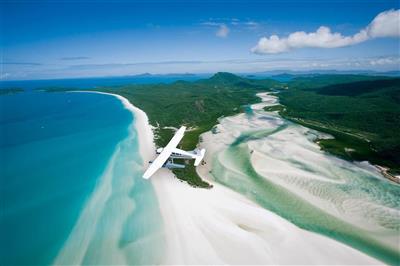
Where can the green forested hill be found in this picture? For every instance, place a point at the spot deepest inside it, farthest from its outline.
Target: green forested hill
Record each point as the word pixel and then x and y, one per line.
pixel 362 112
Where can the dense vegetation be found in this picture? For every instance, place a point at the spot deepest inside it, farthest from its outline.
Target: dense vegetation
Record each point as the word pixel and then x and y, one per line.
pixel 198 105
pixel 362 112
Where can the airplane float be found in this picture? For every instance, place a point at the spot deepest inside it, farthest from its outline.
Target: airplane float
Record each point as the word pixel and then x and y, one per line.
pixel 166 155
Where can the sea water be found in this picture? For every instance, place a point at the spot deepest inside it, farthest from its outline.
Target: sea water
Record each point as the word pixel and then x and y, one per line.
pixel 70 182
pixel 95 82
pixel 278 165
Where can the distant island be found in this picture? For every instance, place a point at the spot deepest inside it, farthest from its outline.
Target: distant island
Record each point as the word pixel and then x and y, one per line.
pixel 362 112
pixel 8 91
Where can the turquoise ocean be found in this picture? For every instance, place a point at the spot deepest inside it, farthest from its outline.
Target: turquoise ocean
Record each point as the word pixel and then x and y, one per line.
pixel 70 170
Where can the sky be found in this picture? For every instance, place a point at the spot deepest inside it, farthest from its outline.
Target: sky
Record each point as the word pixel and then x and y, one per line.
pixel 67 39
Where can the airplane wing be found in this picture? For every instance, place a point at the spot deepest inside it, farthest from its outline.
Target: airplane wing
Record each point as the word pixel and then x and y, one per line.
pixel 164 155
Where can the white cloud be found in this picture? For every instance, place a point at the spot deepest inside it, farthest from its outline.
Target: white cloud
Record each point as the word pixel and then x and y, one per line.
pixel 252 23
pixel 385 24
pixel 385 61
pixel 222 31
pixel 4 76
pixel 225 26
pixel 210 23
pixel 261 64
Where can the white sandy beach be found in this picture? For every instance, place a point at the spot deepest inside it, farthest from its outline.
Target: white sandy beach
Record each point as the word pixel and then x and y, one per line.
pixel 220 226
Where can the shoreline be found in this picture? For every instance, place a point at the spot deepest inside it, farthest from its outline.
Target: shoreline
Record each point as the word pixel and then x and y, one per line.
pixel 268 156
pixel 220 226
pixel 145 136
pixel 102 222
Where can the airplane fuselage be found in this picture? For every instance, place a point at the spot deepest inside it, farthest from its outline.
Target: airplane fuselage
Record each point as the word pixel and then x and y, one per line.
pixel 166 155
pixel 172 165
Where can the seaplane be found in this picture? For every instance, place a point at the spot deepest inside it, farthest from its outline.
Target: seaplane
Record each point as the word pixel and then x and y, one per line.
pixel 166 155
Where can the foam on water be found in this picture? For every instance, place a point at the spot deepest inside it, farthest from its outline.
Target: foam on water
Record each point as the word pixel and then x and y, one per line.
pixel 120 223
pixel 277 164
pixel 53 147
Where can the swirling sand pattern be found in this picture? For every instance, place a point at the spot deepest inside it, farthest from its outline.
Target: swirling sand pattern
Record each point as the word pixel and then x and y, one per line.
pixel 276 163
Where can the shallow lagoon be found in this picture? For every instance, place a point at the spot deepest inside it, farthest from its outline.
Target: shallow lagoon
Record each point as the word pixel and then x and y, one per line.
pixel 277 164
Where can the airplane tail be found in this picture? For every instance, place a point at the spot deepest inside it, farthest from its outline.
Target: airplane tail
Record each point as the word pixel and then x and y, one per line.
pixel 199 157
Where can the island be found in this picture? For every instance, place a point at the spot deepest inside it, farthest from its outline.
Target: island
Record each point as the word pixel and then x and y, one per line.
pixel 9 91
pixel 257 157
pixel 361 112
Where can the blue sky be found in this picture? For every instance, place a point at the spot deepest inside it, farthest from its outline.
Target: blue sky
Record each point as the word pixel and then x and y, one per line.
pixel 71 39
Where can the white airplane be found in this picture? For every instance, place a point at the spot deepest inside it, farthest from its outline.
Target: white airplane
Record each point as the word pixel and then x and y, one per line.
pixel 170 152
